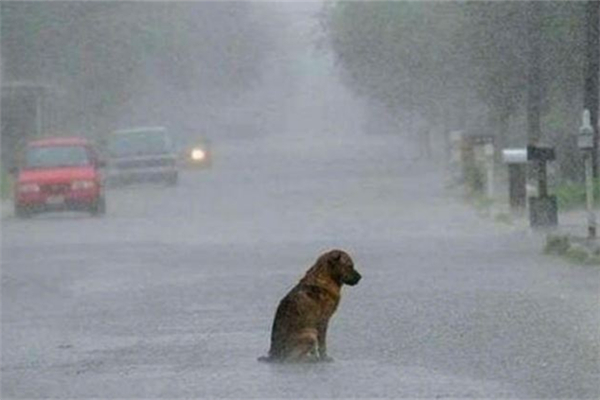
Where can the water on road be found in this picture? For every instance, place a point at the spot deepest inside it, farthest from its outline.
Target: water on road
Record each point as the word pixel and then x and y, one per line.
pixel 172 294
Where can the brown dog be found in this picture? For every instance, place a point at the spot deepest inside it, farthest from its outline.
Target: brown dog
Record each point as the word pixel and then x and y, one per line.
pixel 300 325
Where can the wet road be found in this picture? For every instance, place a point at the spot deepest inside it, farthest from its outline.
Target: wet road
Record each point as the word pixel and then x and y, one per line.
pixel 173 292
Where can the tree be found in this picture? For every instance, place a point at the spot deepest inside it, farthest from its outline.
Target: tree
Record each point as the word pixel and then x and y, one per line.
pixel 442 58
pixel 116 60
pixel 400 53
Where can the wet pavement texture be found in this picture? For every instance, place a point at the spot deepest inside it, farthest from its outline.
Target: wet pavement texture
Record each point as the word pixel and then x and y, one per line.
pixel 173 292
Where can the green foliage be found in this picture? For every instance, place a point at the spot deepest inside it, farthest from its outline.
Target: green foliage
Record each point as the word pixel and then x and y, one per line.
pixel 576 250
pixel 431 56
pixel 474 176
pixel 557 244
pixel 482 202
pixel 573 195
pixel 400 53
pixel 110 59
pixel 577 254
pixel 504 218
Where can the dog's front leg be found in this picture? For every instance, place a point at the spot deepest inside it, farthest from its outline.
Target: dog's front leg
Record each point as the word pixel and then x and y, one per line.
pixel 322 338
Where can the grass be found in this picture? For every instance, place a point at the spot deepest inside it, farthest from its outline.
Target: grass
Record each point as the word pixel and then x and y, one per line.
pixel 573 195
pixel 557 244
pixel 577 254
pixel 482 202
pixel 571 250
pixel 503 218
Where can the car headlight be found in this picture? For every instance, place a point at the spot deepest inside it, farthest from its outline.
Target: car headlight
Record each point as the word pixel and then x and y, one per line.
pixel 198 154
pixel 29 188
pixel 79 185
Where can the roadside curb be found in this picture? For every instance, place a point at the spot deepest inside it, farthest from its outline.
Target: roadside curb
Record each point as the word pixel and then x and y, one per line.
pixel 567 240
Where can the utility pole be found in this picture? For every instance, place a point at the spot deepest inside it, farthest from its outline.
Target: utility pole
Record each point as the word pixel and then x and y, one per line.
pixel 592 68
pixel 534 91
pixel 534 78
pixel 585 142
pixel 543 211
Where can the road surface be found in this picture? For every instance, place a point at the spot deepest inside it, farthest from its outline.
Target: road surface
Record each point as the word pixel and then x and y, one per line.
pixel 172 294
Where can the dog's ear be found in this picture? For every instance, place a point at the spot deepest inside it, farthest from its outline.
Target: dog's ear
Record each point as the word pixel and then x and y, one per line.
pixel 336 255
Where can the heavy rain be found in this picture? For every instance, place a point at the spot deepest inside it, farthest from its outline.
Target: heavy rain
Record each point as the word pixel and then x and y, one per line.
pixel 171 170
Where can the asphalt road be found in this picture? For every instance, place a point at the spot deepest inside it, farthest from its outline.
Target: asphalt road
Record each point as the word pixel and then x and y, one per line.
pixel 172 294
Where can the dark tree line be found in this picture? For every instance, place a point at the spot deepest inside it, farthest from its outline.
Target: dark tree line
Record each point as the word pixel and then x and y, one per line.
pixel 440 60
pixel 110 62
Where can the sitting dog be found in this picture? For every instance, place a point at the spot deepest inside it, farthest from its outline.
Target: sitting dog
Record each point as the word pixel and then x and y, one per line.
pixel 300 326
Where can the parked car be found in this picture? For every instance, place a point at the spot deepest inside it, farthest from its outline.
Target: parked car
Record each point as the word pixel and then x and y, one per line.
pixel 142 155
pixel 60 173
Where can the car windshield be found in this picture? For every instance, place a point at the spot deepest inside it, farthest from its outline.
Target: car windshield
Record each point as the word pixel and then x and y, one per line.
pixel 138 143
pixel 56 156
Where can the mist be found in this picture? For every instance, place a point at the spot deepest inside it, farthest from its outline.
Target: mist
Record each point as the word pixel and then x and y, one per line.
pixel 319 126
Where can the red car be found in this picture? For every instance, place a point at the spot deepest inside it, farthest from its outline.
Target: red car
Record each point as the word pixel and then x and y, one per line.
pixel 61 173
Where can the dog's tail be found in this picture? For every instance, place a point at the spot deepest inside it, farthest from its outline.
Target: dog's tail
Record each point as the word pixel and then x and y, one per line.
pixel 265 359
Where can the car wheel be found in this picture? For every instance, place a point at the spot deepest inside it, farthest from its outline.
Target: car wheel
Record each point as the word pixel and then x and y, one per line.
pixel 99 207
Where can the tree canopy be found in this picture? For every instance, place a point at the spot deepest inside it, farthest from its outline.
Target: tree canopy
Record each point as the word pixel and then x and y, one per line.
pixel 433 56
pixel 110 59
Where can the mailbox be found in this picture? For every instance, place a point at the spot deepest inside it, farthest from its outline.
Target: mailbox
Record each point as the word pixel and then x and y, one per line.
pixel 514 156
pixel 585 139
pixel 535 153
pixel 543 210
pixel 585 142
pixel 481 140
pixel 517 173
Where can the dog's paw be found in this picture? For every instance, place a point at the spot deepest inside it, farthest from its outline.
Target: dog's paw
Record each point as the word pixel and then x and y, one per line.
pixel 326 359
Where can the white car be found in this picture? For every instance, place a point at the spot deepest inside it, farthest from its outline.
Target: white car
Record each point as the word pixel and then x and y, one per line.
pixel 144 154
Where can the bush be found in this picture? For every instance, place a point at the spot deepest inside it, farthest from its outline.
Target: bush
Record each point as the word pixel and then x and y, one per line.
pixel 557 244
pixel 576 250
pixel 504 218
pixel 578 254
pixel 474 178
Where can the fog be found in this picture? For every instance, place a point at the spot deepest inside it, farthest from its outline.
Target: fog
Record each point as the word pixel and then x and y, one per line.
pixel 327 125
pixel 225 72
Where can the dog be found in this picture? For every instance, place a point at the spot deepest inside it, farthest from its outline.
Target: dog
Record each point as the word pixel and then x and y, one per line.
pixel 300 326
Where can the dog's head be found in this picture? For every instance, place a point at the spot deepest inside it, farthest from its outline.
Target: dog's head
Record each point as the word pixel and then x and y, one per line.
pixel 341 267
